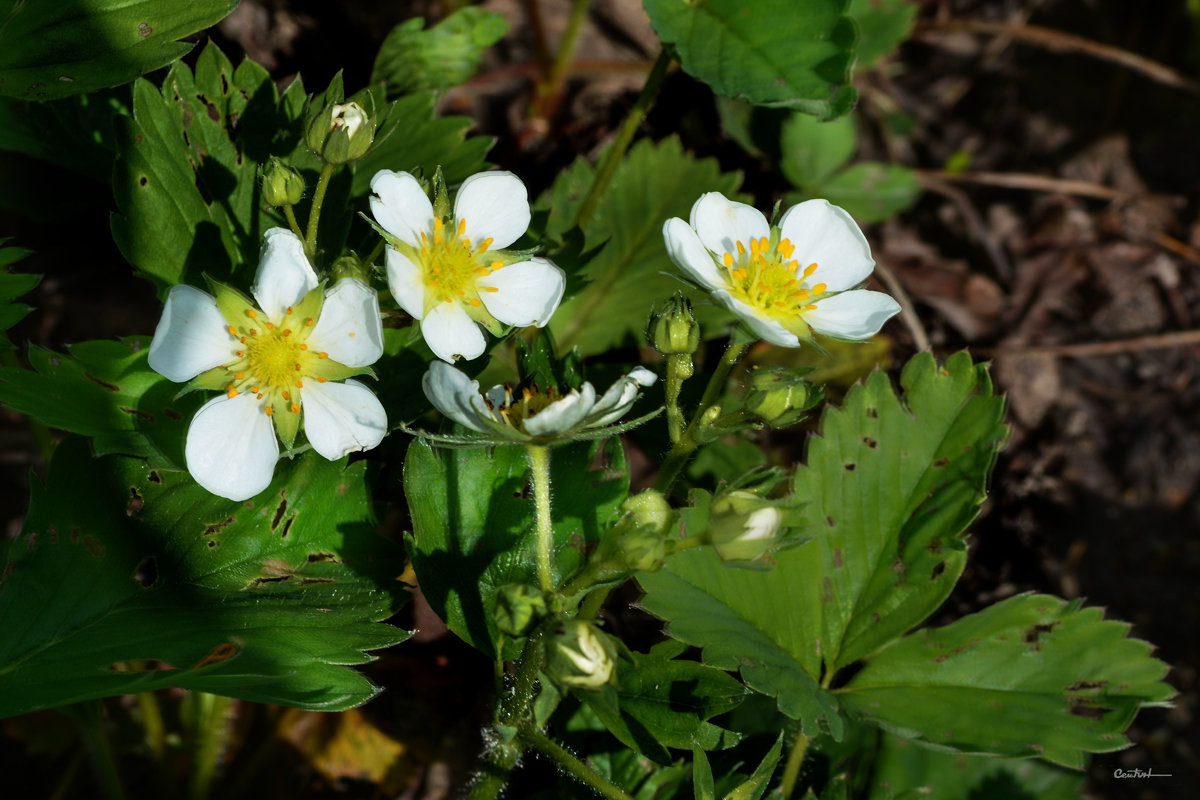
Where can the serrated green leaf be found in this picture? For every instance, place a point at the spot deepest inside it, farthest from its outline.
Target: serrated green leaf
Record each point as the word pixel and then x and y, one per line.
pixel 55 49
pixel 105 390
pixel 75 133
pixel 12 286
pixel 870 191
pixel 632 271
pixel 412 59
pixel 892 484
pixel 812 150
pixel 1032 675
pixel 411 139
pixel 882 26
pixel 768 52
pixel 129 578
pixel 473 528
pixel 904 769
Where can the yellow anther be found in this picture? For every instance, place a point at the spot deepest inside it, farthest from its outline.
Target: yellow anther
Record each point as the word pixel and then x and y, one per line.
pixel 475 302
pixel 462 227
pixel 251 313
pixel 795 265
pixel 269 411
pixel 240 353
pixel 308 323
pixel 270 326
pixel 490 289
pixel 810 308
pixel 753 247
pixel 764 243
pixel 289 309
pixel 483 271
pixel 810 269
pixel 238 376
pixel 253 332
pixel 438 226
pixel 231 391
pixel 232 332
pixel 322 355
pixel 286 395
pixel 295 408
pixel 287 332
pixel 485 244
pixel 320 379
pixel 254 389
pixel 299 384
pixel 303 347
pixel 352 335
pixel 819 289
pixel 495 265
pixel 298 366
pixel 741 250
pixel 729 259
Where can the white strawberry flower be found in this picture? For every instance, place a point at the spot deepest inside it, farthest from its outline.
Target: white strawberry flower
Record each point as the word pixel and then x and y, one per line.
pixel 451 270
pixel 785 281
pixel 282 357
pixel 538 417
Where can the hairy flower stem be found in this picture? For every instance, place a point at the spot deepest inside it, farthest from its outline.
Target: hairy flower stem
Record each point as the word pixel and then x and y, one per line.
pixel 514 709
pixel 678 457
pixel 791 770
pixel 569 763
pixel 314 214
pixel 678 369
pixel 616 152
pixel 539 478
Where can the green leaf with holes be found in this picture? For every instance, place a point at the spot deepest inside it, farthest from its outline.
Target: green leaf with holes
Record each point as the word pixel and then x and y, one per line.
pixel 55 49
pixel 415 59
pixel 105 390
pixel 473 523
pixel 890 484
pixel 128 578
pixel 767 51
pixel 613 293
pixel 1032 675
pixel 12 286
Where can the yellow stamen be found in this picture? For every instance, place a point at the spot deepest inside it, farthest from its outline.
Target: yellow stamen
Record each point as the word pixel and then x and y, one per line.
pixel 729 259
pixel 238 376
pixel 269 411
pixel 289 310
pixel 286 395
pixel 287 332
pixel 741 250
pixel 320 379
pixel 231 391
pixel 497 265
pixel 322 355
pixel 462 227
pixel 308 323
pixel 299 384
pixel 232 332
pixel 809 270
pixel 475 302
pixel 253 332
pixel 485 244
pixel 254 389
pixel 295 408
pixel 819 289
pixel 490 289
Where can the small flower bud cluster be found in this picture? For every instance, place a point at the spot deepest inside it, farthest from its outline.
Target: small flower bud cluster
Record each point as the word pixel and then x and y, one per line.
pixel 342 132
pixel 281 185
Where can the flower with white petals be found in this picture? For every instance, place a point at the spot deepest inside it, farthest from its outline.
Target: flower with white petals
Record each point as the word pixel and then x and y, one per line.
pixel 784 281
pixel 532 417
pixel 283 356
pixel 451 271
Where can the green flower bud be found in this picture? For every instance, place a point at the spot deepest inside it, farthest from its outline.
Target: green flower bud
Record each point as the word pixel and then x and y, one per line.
pixel 674 330
pixel 341 132
pixel 778 397
pixel 641 536
pixel 743 526
pixel 580 656
pixel 518 608
pixel 281 185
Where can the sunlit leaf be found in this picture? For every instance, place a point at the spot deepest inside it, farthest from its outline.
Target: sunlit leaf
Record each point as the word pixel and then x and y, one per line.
pixel 128 578
pixel 414 59
pixel 870 191
pixel 812 149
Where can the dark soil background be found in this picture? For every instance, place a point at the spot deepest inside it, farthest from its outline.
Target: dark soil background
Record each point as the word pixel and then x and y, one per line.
pixel 1073 265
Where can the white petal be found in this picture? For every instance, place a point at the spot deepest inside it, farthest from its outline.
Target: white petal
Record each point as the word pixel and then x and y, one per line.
pixel 231 448
pixel 406 283
pixel 763 326
pixel 721 223
pixel 621 396
pixel 563 414
pixel 190 337
pixel 527 293
pixel 340 418
pixel 350 328
pixel 451 334
pixel 284 274
pixel 400 206
pixel 827 236
pixel 495 205
pixel 452 393
pixel 689 254
pixel 852 315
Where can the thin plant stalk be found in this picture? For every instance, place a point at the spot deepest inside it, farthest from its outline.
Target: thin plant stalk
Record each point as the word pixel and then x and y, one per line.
pixel 571 764
pixel 514 708
pixel 539 479
pixel 791 770
pixel 293 223
pixel 211 738
pixel 314 214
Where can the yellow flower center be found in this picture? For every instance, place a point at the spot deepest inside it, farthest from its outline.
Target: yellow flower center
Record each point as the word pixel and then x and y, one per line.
pixel 450 266
pixel 273 361
pixel 515 410
pixel 765 276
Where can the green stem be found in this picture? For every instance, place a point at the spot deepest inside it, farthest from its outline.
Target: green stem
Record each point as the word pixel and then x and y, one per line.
pixel 152 724
pixel 513 709
pixel 552 85
pixel 290 213
pixel 539 478
pixel 678 457
pixel 678 369
pixel 376 252
pixel 569 763
pixel 314 213
pixel 211 738
pixel 608 166
pixel 791 770
pixel 91 722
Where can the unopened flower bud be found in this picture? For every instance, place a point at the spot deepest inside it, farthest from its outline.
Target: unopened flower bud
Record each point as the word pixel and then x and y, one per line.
pixel 640 538
pixel 281 185
pixel 518 608
pixel 743 526
pixel 341 132
pixel 674 330
pixel 778 397
pixel 580 656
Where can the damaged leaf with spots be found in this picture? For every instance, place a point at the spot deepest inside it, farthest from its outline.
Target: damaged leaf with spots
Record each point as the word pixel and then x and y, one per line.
pixel 130 578
pixel 889 486
pixel 1032 675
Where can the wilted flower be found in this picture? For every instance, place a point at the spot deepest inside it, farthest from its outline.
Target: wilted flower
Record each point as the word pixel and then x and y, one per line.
pixel 782 281
pixel 451 271
pixel 531 417
pixel 276 358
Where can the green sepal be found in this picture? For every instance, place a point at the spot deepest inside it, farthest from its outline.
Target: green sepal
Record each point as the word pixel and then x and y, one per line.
pixel 215 378
pixel 484 317
pixel 332 370
pixel 404 247
pixel 287 422
pixel 309 307
pixel 439 196
pixel 233 304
